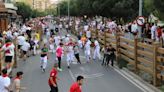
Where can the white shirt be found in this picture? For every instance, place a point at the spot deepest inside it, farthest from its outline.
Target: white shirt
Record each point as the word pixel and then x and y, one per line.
pixel 56 38
pixel 88 45
pixel 21 40
pixel 80 43
pixel 4 82
pixel 153 31
pixel 67 40
pixel 97 44
pixel 86 27
pixel 25 46
pixel 88 34
pixel 134 27
pixel 9 50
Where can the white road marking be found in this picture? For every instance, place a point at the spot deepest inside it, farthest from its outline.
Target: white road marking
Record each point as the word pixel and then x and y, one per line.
pixel 137 84
pixel 70 72
pixel 96 75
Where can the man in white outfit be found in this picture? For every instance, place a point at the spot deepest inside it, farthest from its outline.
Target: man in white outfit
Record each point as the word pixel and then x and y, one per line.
pixel 88 50
pixel 70 53
pixel 96 50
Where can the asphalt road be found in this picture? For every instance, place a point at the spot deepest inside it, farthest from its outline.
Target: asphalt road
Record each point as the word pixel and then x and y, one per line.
pixel 97 78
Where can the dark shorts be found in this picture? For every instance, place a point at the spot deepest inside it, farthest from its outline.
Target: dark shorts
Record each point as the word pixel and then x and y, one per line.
pixel 8 59
pixel 24 52
pixel 19 46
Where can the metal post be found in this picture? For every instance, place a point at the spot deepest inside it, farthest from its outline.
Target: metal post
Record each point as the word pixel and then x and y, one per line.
pixel 68 8
pixel 33 2
pixel 140 7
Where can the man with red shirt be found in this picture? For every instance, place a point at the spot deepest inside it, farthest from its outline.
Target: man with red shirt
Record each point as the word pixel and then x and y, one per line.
pixel 52 79
pixel 76 87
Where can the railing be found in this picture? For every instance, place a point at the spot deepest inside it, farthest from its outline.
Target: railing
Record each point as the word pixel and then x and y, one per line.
pixel 146 56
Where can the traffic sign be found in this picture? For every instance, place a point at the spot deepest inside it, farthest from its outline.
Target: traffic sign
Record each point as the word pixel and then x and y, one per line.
pixel 140 20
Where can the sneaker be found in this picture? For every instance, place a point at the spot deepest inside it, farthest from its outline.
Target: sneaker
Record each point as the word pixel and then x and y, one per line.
pixel 43 70
pixel 68 67
pixel 60 70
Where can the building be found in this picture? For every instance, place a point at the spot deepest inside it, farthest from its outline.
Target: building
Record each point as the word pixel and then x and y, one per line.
pixel 40 5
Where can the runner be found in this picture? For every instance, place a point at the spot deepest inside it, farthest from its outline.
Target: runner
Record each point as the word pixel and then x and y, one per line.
pixel 8 47
pixel 88 50
pixel 76 87
pixel 51 44
pixel 59 52
pixel 4 82
pixel 44 57
pixel 25 48
pixel 16 85
pixel 96 50
pixel 53 79
pixel 70 53
pixel 76 52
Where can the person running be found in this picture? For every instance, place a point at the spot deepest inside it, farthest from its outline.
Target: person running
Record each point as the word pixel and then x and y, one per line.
pixel 21 39
pixel 59 52
pixel 76 87
pixel 52 44
pixel 16 85
pixel 4 82
pixel 76 52
pixel 44 57
pixel 70 53
pixel 52 81
pixel 96 50
pixel 88 50
pixel 8 47
pixel 25 48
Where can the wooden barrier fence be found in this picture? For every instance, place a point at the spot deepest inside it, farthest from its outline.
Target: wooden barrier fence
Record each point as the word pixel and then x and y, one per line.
pixel 142 56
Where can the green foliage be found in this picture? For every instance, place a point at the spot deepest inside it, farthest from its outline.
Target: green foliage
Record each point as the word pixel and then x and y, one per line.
pixel 127 9
pixel 24 10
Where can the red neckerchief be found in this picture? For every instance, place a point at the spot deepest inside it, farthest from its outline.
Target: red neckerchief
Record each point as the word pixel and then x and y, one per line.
pixel 17 78
pixel 4 75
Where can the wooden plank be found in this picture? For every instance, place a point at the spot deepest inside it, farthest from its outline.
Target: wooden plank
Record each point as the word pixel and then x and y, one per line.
pixel 122 39
pixel 111 41
pixel 159 76
pixel 127 59
pixel 126 46
pixel 160 67
pixel 160 50
pixel 160 58
pixel 127 53
pixel 144 45
pixel 108 35
pixel 145 53
pixel 149 63
pixel 141 67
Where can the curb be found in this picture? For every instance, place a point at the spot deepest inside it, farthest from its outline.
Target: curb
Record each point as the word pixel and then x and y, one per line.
pixel 136 80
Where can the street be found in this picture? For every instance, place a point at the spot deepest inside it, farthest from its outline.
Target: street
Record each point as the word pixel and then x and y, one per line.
pixel 97 78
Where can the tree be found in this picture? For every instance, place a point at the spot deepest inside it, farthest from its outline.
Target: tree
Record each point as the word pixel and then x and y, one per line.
pixel 24 10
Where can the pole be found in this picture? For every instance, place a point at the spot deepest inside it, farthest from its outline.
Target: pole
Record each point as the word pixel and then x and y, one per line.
pixel 68 8
pixel 33 4
pixel 140 7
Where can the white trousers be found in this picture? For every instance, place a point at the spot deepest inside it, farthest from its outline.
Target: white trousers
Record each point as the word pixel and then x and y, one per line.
pixel 96 53
pixel 70 57
pixel 44 62
pixel 88 55
pixel 52 48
